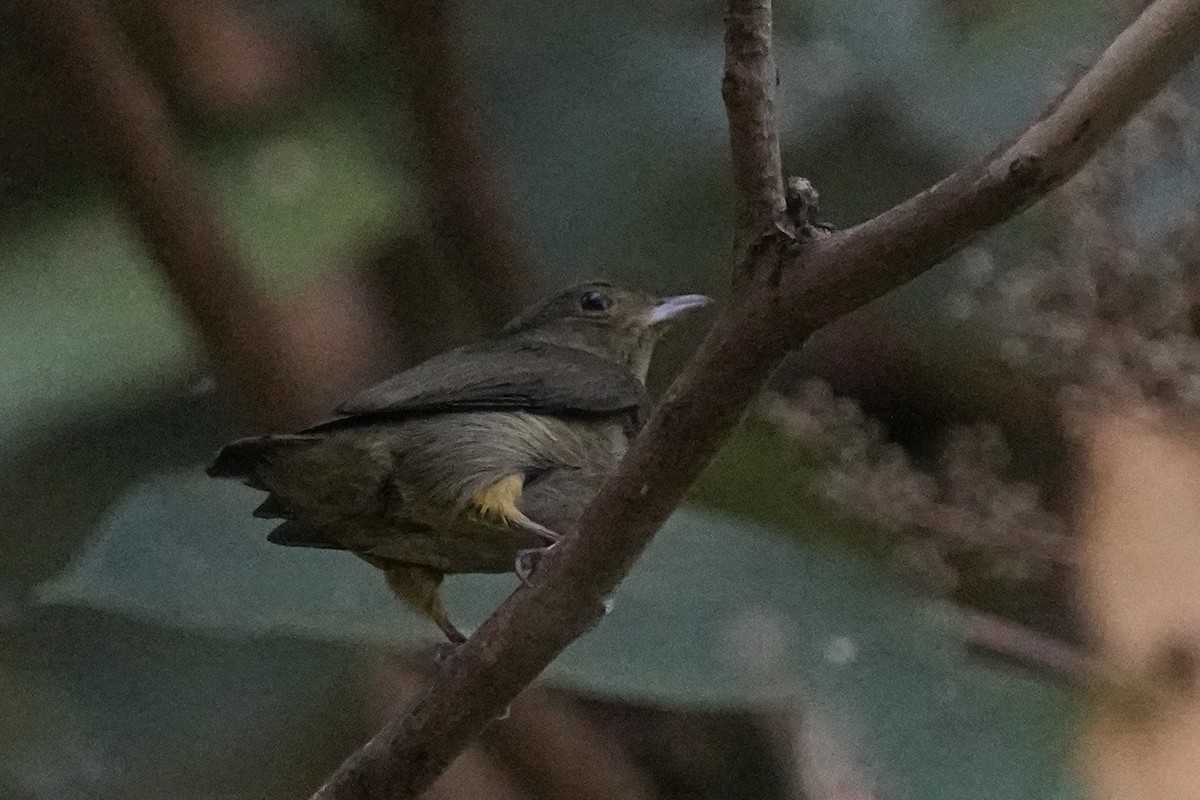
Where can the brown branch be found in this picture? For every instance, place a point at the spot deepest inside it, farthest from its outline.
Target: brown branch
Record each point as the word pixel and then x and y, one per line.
pixel 786 290
pixel 476 774
pixel 484 251
pixel 748 88
pixel 870 259
pixel 126 119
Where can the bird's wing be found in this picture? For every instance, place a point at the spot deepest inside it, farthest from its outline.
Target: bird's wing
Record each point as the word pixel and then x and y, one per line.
pixel 500 376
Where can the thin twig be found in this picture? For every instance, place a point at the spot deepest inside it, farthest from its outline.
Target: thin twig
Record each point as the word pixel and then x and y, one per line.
pixel 1010 641
pixel 748 88
pixel 810 282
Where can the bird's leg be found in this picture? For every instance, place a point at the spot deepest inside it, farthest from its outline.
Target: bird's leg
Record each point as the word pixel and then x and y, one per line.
pixel 438 615
pixel 541 531
pixel 529 558
pixel 418 586
pixel 500 501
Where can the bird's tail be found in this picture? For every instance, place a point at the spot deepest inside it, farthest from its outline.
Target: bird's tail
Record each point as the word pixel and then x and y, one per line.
pixel 247 459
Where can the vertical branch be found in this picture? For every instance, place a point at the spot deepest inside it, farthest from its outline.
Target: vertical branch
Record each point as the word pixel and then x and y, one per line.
pixel 748 88
pixel 465 191
pixel 128 122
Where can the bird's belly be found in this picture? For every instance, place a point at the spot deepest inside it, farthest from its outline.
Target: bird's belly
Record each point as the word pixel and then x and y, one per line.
pixel 467 542
pixel 423 509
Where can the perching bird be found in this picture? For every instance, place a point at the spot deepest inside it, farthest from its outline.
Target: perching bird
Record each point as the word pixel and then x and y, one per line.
pixel 475 459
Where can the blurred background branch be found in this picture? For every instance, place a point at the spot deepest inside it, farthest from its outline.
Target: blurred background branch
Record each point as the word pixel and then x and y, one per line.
pixel 248 338
pixel 289 362
pixel 482 245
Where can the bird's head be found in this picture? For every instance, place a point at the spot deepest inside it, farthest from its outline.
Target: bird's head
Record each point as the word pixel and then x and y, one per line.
pixel 621 325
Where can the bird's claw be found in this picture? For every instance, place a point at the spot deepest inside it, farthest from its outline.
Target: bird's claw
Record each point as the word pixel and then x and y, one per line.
pixel 528 560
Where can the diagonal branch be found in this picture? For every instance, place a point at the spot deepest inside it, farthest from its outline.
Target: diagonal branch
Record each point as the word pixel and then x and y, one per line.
pixel 787 288
pixel 870 259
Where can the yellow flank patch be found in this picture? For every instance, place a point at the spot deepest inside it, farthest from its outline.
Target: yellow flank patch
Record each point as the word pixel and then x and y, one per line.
pixel 499 500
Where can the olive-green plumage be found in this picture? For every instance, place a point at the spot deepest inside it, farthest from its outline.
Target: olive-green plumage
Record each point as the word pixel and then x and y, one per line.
pixel 465 461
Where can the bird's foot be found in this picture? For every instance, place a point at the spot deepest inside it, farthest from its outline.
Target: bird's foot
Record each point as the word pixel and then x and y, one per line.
pixel 443 651
pixel 528 560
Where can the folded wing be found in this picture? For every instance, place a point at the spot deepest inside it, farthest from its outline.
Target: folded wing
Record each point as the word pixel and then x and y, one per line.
pixel 500 375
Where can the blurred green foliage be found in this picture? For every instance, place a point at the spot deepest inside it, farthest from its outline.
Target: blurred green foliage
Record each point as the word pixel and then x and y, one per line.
pixel 719 612
pixel 86 322
pixel 147 712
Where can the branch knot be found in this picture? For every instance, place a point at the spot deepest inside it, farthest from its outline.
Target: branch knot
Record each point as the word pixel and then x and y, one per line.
pixel 801 200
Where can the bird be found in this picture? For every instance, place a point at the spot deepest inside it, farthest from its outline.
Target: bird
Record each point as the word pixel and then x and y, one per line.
pixel 477 460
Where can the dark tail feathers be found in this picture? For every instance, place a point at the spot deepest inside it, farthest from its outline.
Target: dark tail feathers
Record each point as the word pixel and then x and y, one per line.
pixel 299 534
pixel 243 459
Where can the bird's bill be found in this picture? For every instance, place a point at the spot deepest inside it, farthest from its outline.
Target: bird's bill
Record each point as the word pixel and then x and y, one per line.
pixel 669 308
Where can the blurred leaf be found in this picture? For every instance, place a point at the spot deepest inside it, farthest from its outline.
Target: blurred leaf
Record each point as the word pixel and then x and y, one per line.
pixel 103 708
pixel 59 482
pixel 966 87
pixel 84 317
pixel 718 613
pixel 762 475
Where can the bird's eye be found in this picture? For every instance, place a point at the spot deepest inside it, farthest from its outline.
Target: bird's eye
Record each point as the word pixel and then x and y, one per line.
pixel 595 301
